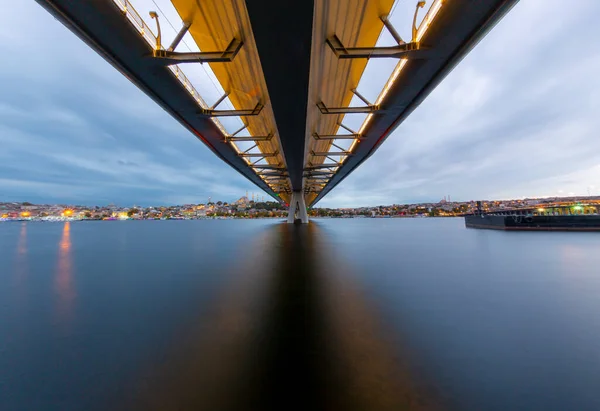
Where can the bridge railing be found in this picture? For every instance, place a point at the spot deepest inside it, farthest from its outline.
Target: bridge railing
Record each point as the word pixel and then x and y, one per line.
pixel 148 35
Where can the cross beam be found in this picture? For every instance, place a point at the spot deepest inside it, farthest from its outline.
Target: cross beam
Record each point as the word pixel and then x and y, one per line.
pixel 320 166
pixel 272 173
pixel 330 153
pixel 209 112
pixel 346 110
pixel 251 138
pixel 405 50
pixel 336 136
pixel 280 180
pixel 225 56
pixel 268 167
pixel 319 174
pixel 249 155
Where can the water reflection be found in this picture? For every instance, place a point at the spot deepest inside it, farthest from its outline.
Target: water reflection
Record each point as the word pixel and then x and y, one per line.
pixel 64 276
pixel 21 260
pixel 22 245
pixel 291 329
pixel 21 266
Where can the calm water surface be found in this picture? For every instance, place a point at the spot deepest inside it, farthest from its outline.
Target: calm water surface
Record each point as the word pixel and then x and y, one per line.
pixel 363 314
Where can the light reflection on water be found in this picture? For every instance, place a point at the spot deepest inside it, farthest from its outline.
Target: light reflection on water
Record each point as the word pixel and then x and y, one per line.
pixel 64 276
pixel 21 260
pixel 20 267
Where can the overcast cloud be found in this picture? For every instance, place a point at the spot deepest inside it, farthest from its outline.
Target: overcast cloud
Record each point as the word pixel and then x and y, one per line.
pixel 518 117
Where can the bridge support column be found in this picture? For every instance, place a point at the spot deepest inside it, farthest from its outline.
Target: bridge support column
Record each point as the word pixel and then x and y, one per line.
pixel 297 210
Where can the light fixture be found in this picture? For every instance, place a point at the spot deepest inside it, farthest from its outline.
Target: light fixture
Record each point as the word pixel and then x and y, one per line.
pixel 435 8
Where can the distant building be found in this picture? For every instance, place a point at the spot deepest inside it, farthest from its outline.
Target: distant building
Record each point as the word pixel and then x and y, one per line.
pixel 242 201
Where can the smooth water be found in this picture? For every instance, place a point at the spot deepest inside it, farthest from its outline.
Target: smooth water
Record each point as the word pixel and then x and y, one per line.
pixel 353 314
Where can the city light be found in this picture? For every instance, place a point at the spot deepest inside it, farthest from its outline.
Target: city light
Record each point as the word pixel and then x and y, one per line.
pixel 391 81
pixel 245 208
pixel 364 125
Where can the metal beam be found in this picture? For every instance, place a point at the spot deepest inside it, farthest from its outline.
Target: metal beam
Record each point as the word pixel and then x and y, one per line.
pixel 250 155
pixel 273 174
pixel 392 30
pixel 348 129
pixel 404 50
pixel 360 96
pixel 179 36
pixel 248 149
pixel 338 147
pixel 251 138
pixel 239 130
pixel 269 167
pixel 220 100
pixel 330 153
pixel 346 110
pixel 225 56
pixel 207 112
pixel 336 136
pixel 320 166
pixel 283 33
pixel 319 173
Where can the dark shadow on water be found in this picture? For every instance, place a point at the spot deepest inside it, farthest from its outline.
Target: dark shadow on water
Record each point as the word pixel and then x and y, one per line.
pixel 291 330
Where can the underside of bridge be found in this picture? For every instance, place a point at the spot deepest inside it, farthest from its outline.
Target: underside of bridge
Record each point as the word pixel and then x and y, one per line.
pixel 290 69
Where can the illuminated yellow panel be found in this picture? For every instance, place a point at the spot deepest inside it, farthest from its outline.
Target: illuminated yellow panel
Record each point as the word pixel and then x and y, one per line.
pixel 214 23
pixel 356 23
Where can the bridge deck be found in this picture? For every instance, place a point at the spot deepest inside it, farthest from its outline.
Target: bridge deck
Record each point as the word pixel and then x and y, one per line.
pixel 286 65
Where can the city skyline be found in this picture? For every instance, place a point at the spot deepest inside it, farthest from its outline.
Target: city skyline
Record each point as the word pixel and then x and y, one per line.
pixel 501 125
pixel 248 199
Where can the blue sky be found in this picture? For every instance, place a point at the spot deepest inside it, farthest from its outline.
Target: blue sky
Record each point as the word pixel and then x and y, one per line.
pixel 518 117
